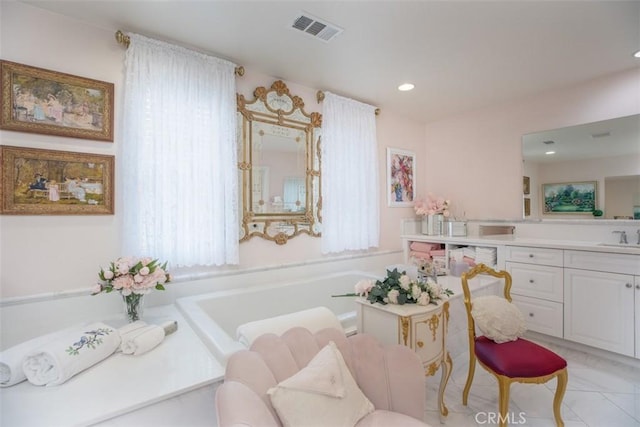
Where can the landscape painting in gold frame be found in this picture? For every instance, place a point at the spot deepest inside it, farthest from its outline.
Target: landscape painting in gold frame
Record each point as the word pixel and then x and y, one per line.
pixel 53 103
pixel 48 182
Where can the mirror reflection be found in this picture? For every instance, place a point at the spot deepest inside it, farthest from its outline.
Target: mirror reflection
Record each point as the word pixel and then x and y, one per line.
pixel 279 165
pixel 607 152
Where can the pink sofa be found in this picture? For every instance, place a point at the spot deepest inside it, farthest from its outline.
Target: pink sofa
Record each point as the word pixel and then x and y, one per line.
pixel 391 377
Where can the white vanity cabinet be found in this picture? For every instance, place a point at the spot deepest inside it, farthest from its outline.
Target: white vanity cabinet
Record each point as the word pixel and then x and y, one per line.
pixel 601 300
pixel 537 287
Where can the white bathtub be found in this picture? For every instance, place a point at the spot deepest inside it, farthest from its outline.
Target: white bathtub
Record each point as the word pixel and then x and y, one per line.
pixel 216 316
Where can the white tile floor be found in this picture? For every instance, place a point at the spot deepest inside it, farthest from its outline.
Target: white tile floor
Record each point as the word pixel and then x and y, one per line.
pixel 599 394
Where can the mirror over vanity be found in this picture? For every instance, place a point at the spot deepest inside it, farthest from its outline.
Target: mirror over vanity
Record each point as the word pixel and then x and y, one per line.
pixel 604 154
pixel 278 165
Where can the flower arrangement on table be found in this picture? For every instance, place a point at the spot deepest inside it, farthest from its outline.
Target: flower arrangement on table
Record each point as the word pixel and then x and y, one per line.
pixel 399 288
pixel 432 206
pixel 133 278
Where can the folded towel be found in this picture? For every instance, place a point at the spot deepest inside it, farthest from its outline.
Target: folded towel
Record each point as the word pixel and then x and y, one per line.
pixel 73 352
pixel 423 246
pixel 11 359
pixel 138 337
pixel 437 252
pixel 420 255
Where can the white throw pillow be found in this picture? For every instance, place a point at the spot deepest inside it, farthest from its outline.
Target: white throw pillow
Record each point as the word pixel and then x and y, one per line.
pixel 322 394
pixel 497 318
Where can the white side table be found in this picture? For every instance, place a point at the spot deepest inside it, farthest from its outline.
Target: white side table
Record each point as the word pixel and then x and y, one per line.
pixel 421 328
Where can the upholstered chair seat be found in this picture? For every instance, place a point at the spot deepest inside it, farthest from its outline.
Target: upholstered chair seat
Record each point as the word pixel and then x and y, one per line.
pixel 518 359
pixel 391 378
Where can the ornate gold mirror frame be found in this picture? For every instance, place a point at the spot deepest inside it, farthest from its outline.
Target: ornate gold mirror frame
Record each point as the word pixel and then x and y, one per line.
pixel 278 165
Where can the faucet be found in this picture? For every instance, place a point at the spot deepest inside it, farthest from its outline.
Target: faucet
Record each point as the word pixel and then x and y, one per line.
pixel 623 236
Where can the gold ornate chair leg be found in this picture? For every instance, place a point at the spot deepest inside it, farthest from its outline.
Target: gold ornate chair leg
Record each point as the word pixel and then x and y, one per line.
pixel 472 370
pixel 503 399
pixel 561 387
pixel 447 366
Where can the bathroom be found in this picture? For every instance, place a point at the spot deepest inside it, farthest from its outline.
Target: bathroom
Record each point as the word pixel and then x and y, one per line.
pixel 48 263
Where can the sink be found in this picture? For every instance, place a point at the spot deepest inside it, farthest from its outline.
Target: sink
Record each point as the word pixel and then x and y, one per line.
pixel 621 245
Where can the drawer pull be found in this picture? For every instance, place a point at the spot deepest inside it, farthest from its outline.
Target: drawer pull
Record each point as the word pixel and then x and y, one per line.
pixel 420 344
pixel 637 286
pixel 628 285
pixel 530 255
pixel 530 280
pixel 530 314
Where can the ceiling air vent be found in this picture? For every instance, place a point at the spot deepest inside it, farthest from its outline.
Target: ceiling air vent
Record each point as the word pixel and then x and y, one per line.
pixel 315 27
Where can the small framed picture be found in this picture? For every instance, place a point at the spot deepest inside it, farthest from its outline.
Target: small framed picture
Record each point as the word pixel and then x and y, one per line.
pixel 53 103
pixel 526 185
pixel 48 182
pixel 401 177
pixel 569 197
pixel 527 206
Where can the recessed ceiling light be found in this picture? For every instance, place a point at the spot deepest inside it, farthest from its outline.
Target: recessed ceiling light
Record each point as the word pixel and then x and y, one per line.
pixel 405 87
pixel 637 54
pixel 550 152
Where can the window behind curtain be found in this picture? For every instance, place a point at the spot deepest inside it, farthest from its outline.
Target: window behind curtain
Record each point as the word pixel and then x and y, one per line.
pixel 178 156
pixel 350 191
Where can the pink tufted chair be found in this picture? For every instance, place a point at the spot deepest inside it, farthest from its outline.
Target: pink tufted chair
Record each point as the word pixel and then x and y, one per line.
pixel 391 377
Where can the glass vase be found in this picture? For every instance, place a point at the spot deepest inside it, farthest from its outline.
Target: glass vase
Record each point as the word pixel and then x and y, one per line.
pixel 133 307
pixel 432 224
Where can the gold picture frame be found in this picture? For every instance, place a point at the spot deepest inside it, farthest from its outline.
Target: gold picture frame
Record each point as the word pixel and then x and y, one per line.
pixel 52 103
pixel 526 185
pixel 49 182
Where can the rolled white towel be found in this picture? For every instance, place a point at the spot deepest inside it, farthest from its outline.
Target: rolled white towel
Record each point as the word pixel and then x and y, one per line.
pixel 73 352
pixel 138 338
pixel 11 359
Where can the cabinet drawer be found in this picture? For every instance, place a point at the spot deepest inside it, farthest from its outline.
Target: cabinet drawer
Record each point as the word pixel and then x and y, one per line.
pixel 602 261
pixel 541 256
pixel 538 281
pixel 541 316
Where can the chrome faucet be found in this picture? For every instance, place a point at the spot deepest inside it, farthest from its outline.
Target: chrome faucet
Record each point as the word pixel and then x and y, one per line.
pixel 623 236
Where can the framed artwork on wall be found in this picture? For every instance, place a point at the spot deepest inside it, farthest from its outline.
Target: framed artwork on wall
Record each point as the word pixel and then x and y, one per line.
pixel 401 177
pixel 527 206
pixel 52 103
pixel 569 198
pixel 526 185
pixel 48 182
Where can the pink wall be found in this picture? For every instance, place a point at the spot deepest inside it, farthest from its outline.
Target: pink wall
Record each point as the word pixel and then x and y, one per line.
pixel 475 159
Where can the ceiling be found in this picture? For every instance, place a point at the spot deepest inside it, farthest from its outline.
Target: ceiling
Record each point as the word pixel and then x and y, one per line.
pixel 461 55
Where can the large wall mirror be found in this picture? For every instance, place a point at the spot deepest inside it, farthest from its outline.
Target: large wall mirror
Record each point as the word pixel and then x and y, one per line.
pixel 278 165
pixel 605 152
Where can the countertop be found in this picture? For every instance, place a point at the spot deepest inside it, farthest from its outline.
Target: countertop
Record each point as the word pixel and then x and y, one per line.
pixel 512 240
pixel 119 384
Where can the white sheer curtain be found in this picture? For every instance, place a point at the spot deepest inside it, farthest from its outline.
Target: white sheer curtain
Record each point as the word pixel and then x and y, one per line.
pixel 350 190
pixel 179 159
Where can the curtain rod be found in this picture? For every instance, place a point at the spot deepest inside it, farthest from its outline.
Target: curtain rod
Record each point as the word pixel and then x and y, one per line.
pixel 125 40
pixel 320 98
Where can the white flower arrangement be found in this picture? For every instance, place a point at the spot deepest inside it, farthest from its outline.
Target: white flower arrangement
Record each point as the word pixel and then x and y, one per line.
pixel 399 288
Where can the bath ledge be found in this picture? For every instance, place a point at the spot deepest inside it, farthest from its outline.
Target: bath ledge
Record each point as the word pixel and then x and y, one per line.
pixel 180 364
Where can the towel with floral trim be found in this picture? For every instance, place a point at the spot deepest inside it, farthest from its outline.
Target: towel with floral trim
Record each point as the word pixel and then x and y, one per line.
pixel 79 349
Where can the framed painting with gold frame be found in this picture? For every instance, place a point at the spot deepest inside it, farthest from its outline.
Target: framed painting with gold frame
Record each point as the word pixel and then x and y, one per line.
pixel 48 182
pixel 53 103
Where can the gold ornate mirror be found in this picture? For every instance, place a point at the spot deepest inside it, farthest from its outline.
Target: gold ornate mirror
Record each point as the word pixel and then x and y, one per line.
pixel 278 165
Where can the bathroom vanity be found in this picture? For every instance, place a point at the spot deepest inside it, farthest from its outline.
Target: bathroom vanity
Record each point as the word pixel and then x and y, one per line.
pixel 586 292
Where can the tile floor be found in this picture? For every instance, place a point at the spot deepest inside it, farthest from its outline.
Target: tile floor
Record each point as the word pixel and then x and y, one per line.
pixel 599 394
